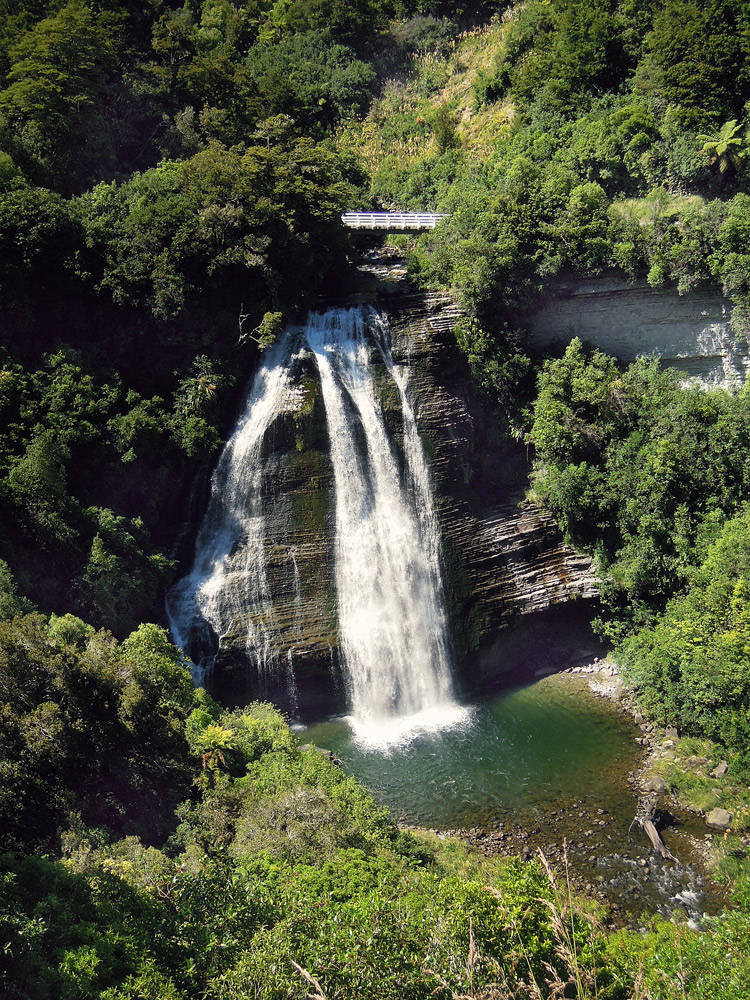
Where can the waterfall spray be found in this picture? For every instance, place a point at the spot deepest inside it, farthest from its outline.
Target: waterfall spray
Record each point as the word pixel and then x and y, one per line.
pixel 227 588
pixel 391 616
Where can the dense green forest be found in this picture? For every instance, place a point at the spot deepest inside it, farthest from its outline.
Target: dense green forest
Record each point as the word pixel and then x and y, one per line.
pixel 171 183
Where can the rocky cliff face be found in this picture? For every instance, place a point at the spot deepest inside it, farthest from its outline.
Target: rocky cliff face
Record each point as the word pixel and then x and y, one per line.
pixel 689 332
pixel 297 490
pixel 510 581
pixel 502 557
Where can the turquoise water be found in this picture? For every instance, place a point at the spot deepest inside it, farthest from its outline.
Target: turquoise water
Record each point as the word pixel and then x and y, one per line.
pixel 526 750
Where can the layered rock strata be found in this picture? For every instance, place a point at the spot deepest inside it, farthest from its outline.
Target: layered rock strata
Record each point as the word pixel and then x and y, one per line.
pixel 297 491
pixel 689 332
pixel 504 562
pixel 503 556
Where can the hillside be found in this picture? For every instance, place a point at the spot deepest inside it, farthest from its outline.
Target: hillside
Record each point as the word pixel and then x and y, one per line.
pixel 171 184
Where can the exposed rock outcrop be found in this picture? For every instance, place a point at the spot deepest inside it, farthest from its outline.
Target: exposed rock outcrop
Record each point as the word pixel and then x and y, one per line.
pixel 297 489
pixel 503 558
pixel 689 332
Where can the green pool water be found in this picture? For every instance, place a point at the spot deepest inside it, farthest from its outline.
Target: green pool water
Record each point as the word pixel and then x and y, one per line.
pixel 518 751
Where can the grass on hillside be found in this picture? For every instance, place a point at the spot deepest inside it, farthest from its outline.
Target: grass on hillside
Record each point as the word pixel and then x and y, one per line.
pixel 657 205
pixel 398 130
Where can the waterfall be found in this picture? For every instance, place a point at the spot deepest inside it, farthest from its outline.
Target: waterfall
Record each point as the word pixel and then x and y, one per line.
pixel 391 619
pixel 297 593
pixel 227 589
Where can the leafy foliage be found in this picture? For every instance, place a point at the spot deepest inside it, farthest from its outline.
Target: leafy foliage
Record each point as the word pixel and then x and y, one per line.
pixel 699 53
pixel 690 668
pixel 89 726
pixel 726 150
pixel 312 78
pixel 160 167
pixel 637 469
pixel 55 98
pixel 284 864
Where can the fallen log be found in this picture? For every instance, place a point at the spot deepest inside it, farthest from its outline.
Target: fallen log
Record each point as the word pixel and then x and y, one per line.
pixel 644 817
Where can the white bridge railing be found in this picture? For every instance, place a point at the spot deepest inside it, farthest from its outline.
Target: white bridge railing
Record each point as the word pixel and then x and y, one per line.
pixel 392 220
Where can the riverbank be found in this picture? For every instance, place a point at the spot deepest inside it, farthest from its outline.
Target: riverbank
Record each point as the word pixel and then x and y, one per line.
pixel 688 773
pixel 597 849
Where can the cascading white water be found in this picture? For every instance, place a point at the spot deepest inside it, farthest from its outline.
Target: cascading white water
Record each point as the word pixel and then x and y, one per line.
pixel 391 618
pixel 227 588
pixel 297 593
pixel 418 482
pixel 392 626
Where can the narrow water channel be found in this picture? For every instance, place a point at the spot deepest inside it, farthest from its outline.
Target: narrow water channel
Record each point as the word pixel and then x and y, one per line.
pixel 534 767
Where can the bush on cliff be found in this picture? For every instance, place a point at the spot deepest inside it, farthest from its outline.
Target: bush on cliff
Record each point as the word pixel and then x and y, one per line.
pixel 638 470
pixel 692 668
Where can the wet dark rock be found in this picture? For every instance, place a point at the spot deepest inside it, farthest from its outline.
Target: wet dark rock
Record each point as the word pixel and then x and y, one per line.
pixel 505 561
pixel 324 752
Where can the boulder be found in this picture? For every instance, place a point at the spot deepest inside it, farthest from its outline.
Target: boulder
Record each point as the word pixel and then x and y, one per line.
pixel 720 770
pixel 655 784
pixel 719 819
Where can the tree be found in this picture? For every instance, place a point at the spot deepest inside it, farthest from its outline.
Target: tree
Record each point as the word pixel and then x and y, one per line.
pixel 198 392
pixel 266 332
pixel 691 668
pixel 701 52
pixel 444 128
pixel 727 150
pixel 562 49
pixel 122 578
pixel 11 602
pixel 261 220
pixel 91 726
pixel 312 78
pixel 39 237
pixel 637 469
pixel 61 72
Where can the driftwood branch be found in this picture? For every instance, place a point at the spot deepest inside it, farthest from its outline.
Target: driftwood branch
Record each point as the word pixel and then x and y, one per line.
pixel 644 817
pixel 318 993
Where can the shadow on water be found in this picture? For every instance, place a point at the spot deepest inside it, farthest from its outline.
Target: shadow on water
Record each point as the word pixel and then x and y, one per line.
pixel 535 767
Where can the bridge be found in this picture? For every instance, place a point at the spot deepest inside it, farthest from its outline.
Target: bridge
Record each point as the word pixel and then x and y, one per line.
pixel 392 221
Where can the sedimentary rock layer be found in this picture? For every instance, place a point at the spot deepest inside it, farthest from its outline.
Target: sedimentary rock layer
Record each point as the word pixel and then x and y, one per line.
pixel 689 332
pixel 502 557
